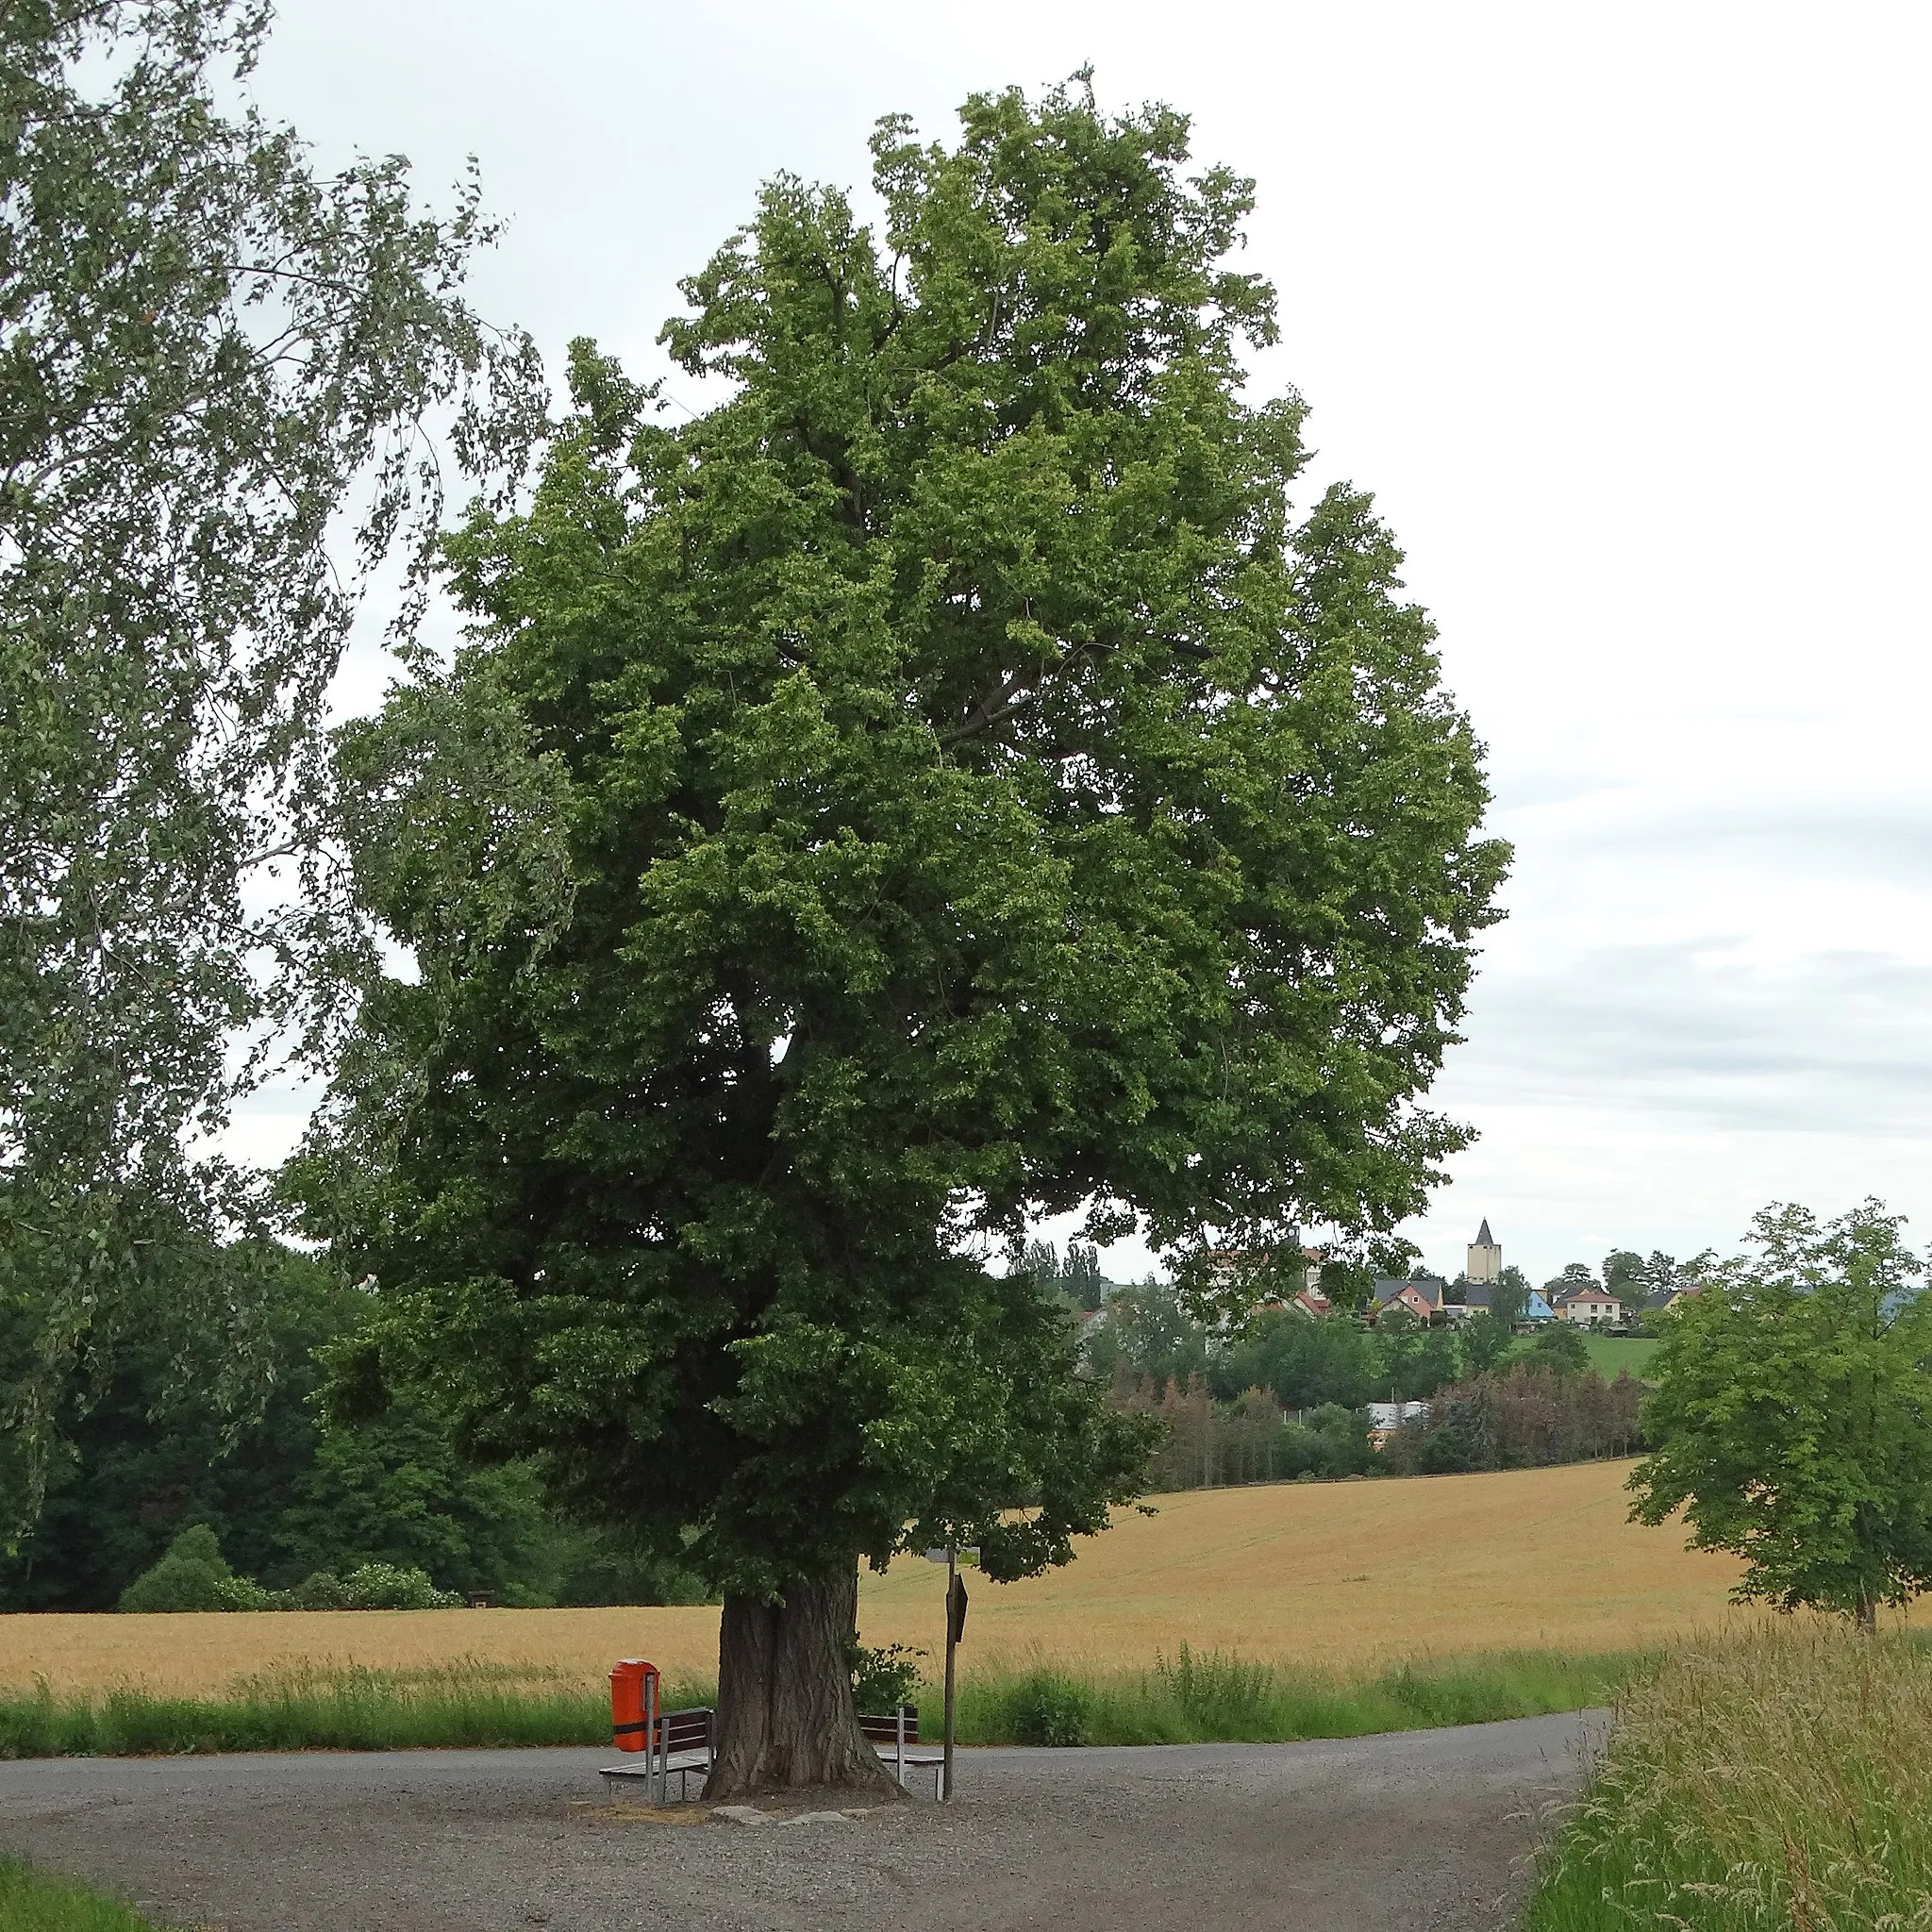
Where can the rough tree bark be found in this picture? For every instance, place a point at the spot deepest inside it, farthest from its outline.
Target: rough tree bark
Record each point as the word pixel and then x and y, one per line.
pixel 786 1717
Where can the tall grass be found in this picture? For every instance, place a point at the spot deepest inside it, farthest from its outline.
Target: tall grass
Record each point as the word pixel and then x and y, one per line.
pixel 1783 1780
pixel 31 1902
pixel 1195 1697
pixel 1218 1697
pixel 464 1704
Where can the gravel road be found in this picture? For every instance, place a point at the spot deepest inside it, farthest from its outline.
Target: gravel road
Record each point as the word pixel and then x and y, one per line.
pixel 1421 1831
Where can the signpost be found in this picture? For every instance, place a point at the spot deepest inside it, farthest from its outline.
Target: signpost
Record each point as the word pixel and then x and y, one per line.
pixel 956 1629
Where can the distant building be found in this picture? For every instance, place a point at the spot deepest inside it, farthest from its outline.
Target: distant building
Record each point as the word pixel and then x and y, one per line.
pixel 1662 1298
pixel 1426 1297
pixel 1587 1306
pixel 1485 1256
pixel 1384 1418
pixel 1476 1301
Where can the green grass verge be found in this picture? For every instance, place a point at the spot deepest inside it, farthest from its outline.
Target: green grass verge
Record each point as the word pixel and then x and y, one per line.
pixel 1777 1780
pixel 465 1705
pixel 1610 1354
pixel 1193 1699
pixel 1218 1698
pixel 32 1901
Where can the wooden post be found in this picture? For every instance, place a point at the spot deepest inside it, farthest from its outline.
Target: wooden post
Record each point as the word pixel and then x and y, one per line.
pixel 952 1573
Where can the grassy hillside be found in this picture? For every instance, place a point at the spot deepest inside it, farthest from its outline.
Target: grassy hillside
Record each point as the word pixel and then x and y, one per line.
pixel 1612 1353
pixel 1336 1575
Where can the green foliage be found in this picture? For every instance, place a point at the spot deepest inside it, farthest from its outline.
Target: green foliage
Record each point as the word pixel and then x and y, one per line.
pixel 1793 1414
pixel 1409 1360
pixel 1526 1415
pixel 1334 1440
pixel 1305 1363
pixel 1559 1347
pixel 1194 1698
pixel 34 1901
pixel 930 790
pixel 193 1575
pixel 210 353
pixel 1148 1330
pixel 369 1587
pixel 1623 1271
pixel 1483 1340
pixel 885 1678
pixel 1775 1778
pixel 1080 1276
pixel 285 1498
pixel 1047 1707
pixel 1509 1298
pixel 464 1706
pixel 1219 1697
pixel 1346 1285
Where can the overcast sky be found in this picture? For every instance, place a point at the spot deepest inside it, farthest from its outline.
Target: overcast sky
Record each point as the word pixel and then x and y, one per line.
pixel 1620 311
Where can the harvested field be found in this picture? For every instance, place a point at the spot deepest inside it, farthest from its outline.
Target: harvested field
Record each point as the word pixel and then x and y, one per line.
pixel 1336 1575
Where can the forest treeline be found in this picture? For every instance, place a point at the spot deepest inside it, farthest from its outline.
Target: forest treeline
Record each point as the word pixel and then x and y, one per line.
pixel 150 1452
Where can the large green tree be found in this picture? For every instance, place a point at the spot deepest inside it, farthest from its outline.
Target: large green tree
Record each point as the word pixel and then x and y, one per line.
pixel 945 784
pixel 1794 1415
pixel 216 368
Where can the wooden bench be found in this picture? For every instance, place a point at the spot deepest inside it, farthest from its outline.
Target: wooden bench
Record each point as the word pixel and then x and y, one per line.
pixel 683 1741
pixel 680 1741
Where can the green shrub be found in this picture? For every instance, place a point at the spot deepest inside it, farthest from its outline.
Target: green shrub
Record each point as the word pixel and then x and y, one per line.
pixel 191 1576
pixel 322 1591
pixel 194 1575
pixel 882 1679
pixel 394 1587
pixel 1049 1707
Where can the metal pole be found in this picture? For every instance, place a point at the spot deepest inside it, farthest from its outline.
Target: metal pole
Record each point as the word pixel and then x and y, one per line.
pixel 952 1560
pixel 651 1742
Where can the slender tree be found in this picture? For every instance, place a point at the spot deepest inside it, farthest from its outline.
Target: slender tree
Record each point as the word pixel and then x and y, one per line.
pixel 956 789
pixel 208 350
pixel 1794 1415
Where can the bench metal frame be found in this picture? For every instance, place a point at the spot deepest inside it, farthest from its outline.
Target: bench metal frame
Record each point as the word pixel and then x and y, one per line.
pixel 665 1754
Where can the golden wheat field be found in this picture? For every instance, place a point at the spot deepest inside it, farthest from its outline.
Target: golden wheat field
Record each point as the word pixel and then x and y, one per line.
pixel 1332 1574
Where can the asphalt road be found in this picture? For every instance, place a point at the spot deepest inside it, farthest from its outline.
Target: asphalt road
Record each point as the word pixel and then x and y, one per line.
pixel 1415 1831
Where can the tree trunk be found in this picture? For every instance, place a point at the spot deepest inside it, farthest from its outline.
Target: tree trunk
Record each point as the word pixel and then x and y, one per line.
pixel 1868 1614
pixel 785 1713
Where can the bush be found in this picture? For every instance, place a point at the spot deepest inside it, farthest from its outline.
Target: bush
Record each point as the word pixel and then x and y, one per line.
pixel 191 1576
pixel 194 1575
pixel 883 1679
pixel 1047 1708
pixel 372 1587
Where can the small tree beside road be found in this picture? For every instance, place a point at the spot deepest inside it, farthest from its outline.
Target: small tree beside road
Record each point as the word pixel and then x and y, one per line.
pixel 1794 1415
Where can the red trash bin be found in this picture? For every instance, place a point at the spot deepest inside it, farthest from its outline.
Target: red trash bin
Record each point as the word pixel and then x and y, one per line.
pixel 633 1702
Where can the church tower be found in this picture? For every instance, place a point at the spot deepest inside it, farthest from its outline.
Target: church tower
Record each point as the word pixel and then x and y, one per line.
pixel 1485 1257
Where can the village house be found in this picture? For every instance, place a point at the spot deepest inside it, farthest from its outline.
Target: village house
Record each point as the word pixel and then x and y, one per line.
pixel 1476 1301
pixel 1426 1297
pixel 1587 1306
